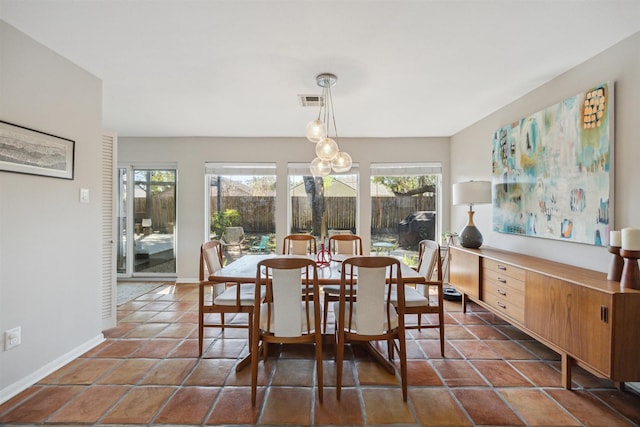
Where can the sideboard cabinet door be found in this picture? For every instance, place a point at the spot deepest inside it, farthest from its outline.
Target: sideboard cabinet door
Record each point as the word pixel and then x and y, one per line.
pixel 576 318
pixel 464 272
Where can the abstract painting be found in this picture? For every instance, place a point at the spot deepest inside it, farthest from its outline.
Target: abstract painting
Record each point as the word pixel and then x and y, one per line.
pixel 552 174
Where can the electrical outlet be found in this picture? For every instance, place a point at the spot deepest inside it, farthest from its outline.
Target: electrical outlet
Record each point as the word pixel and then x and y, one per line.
pixel 12 338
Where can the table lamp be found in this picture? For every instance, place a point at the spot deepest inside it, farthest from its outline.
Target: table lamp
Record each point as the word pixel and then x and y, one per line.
pixel 471 193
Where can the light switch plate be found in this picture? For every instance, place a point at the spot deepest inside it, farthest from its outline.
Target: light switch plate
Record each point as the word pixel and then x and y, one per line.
pixel 84 195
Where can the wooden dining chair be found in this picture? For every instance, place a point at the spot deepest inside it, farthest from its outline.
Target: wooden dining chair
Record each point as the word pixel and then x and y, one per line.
pixel 345 244
pixel 220 298
pixel 299 244
pixel 283 317
pixel 340 247
pixel 372 316
pixel 427 297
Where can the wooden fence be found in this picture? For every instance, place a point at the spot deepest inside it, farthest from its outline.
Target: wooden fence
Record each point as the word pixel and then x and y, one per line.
pixel 386 212
pixel 161 210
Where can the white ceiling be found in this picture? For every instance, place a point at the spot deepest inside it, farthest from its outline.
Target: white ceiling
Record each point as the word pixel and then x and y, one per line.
pixel 236 67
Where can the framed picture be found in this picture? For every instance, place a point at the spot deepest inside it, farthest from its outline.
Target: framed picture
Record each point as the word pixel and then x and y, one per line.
pixel 552 171
pixel 29 151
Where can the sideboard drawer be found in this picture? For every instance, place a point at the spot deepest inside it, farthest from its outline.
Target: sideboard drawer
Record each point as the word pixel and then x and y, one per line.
pixel 504 293
pixel 503 269
pixel 500 279
pixel 506 306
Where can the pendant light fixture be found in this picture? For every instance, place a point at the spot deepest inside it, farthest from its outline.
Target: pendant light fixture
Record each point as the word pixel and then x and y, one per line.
pixel 329 157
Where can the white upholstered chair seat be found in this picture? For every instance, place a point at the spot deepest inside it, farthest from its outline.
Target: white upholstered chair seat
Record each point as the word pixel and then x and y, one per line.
pixel 334 290
pixel 354 323
pixel 412 298
pixel 303 319
pixel 228 296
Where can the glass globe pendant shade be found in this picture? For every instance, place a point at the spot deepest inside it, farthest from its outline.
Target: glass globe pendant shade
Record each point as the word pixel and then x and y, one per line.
pixel 327 149
pixel 316 131
pixel 320 167
pixel 342 162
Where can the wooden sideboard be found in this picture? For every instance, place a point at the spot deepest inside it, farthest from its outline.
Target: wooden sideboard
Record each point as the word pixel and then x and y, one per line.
pixel 588 320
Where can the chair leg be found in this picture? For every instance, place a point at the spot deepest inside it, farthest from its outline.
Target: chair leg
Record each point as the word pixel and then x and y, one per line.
pixel 339 359
pixel 200 321
pixel 403 363
pixel 254 367
pixel 441 327
pixel 222 321
pixel 326 313
pixel 419 322
pixel 319 365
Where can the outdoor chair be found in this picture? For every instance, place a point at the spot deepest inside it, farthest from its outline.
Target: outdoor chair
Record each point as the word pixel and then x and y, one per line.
pixel 372 317
pixel 282 316
pixel 299 244
pixel 262 246
pixel 233 236
pixel 427 297
pixel 220 298
pixel 341 246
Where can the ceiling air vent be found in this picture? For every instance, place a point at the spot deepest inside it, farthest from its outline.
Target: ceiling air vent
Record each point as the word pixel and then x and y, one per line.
pixel 311 100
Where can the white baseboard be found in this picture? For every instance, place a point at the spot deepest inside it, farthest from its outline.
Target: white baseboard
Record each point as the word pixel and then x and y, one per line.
pixel 26 382
pixel 186 280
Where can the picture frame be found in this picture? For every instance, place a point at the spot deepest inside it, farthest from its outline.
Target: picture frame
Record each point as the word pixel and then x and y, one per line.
pixel 28 151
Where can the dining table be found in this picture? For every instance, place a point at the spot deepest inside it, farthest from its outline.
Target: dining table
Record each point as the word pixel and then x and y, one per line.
pixel 243 270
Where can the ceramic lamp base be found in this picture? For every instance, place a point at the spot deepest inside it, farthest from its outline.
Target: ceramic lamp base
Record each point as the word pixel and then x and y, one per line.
pixel 470 237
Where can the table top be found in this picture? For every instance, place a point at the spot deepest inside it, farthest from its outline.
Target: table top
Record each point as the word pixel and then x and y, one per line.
pixel 243 270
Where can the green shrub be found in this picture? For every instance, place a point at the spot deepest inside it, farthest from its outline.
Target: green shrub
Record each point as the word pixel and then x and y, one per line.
pixel 221 220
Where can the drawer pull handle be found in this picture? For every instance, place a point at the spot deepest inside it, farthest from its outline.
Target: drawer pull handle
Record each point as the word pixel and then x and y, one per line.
pixel 503 293
pixel 501 280
pixel 501 267
pixel 501 305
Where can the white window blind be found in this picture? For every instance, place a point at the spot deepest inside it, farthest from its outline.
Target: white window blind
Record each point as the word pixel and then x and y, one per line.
pixel 241 169
pixel 302 169
pixel 405 169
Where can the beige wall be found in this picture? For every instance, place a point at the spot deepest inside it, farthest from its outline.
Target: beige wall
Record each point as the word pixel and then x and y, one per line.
pixel 49 242
pixel 471 151
pixel 190 154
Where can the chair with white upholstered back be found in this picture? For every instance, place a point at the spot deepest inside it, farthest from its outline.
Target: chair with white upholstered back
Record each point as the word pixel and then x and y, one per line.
pixel 299 244
pixel 220 298
pixel 285 316
pixel 371 316
pixel 427 297
pixel 341 246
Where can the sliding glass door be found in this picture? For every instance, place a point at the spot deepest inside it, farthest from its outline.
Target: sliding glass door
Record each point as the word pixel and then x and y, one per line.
pixel 146 223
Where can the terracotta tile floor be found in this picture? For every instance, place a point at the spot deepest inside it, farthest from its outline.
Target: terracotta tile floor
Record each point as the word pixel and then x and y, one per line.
pixel 147 372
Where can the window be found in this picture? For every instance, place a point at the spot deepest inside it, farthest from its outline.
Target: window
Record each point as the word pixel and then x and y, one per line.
pixel 321 206
pixel 404 208
pixel 241 196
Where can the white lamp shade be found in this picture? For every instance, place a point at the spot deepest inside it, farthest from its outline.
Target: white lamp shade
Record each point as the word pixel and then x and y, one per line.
pixel 471 193
pixel 316 131
pixel 320 167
